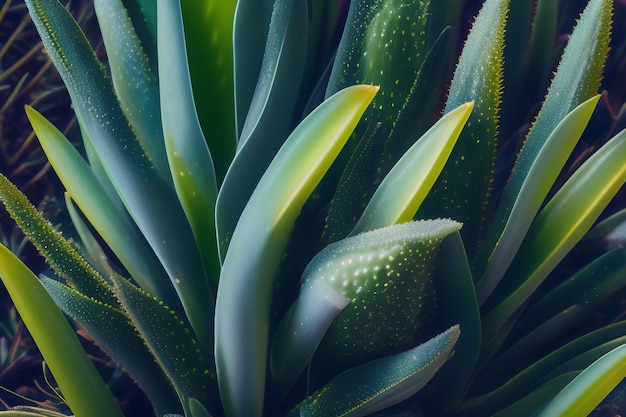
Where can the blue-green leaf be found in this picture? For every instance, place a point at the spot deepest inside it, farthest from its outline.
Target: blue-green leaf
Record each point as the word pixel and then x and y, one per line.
pixel 139 185
pixel 269 119
pixel 135 81
pixel 577 79
pixel 171 344
pixel 381 383
pixel 248 274
pixel 559 226
pixel 115 333
pixel 539 180
pixel 115 227
pixel 187 152
pixel 462 188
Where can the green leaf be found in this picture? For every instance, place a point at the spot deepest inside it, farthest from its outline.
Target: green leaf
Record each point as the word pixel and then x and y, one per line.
pixel 83 389
pixel 252 19
pixel 456 304
pixel 589 388
pixel 399 196
pixel 171 344
pixel 588 289
pixel 115 227
pixel 381 383
pixel 209 37
pixel 559 226
pixel 125 162
pixel 269 120
pixel 577 79
pixel 461 190
pixel 249 268
pixel 386 272
pixel 59 253
pixel 539 180
pixel 116 334
pixel 187 152
pixel 135 81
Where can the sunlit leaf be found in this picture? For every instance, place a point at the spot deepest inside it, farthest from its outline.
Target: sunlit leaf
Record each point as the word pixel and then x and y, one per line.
pixel 83 388
pixel 270 116
pixel 249 268
pixel 589 388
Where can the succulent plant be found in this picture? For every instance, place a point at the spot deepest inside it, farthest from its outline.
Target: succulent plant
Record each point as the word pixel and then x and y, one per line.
pixel 285 209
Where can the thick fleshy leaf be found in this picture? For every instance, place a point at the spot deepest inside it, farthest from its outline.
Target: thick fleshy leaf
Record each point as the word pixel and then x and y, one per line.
pixel 456 304
pixel 577 80
pixel 136 83
pixel 560 225
pixel 589 388
pixel 252 18
pixel 399 196
pixel 251 263
pixel 209 38
pixel 187 152
pixel 115 227
pixel 91 248
pixel 381 383
pixel 139 185
pixel 269 119
pixel 116 334
pixel 461 190
pixel 387 272
pixel 59 253
pixel 83 389
pixel 588 289
pixel 539 180
pixel 172 345
pixel 405 115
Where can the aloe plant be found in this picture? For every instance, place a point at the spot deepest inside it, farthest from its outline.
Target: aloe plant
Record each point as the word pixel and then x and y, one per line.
pixel 306 221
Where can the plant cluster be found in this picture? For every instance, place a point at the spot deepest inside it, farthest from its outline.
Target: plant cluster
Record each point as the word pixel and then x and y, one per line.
pixel 280 213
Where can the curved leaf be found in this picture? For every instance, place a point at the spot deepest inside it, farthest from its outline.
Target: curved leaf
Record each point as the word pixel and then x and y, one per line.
pixel 136 83
pixel 576 80
pixel 248 273
pixel 539 180
pixel 130 170
pixel 117 230
pixel 187 152
pixel 589 388
pixel 58 252
pixel 83 389
pixel 559 226
pixel 381 383
pixel 115 333
pixel 269 119
pixel 171 344
pixel 462 188
pixel 399 196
